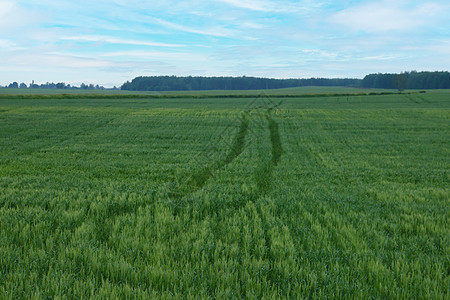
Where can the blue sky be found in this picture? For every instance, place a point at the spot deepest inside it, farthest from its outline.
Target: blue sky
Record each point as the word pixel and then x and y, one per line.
pixel 110 42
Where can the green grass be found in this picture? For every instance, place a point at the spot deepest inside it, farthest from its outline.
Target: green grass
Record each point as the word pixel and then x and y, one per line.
pixel 339 197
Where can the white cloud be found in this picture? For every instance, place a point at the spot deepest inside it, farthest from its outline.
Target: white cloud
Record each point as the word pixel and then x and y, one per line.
pixel 6 7
pixel 320 53
pixel 378 57
pixel 157 55
pixel 7 44
pixel 382 16
pixel 13 16
pixel 252 25
pixel 250 4
pixel 55 59
pixel 273 6
pixel 216 31
pixel 440 48
pixel 112 40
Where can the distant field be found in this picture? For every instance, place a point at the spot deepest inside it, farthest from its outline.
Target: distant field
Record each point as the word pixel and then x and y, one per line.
pixel 310 197
pixel 300 90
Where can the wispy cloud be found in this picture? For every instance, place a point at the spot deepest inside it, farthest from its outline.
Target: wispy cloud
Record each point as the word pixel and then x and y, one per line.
pixel 7 44
pixel 59 60
pixel 292 7
pixel 113 40
pixel 13 16
pixel 378 57
pixel 6 7
pixel 319 52
pixel 251 4
pixel 216 31
pixel 156 55
pixel 383 16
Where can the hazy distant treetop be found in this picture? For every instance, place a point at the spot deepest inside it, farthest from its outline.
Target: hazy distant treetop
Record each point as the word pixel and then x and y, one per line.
pixel 408 80
pixel 174 83
pixel 51 85
pixel 13 85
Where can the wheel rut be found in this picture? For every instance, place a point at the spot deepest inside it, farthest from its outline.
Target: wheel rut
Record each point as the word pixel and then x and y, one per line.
pixel 198 179
pixel 277 149
pixel 264 170
pixel 190 183
pixel 178 191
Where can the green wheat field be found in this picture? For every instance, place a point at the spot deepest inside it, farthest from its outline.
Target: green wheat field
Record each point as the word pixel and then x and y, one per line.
pixel 327 193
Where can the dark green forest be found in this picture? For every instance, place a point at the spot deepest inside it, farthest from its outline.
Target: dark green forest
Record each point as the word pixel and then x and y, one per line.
pixel 174 83
pixel 406 80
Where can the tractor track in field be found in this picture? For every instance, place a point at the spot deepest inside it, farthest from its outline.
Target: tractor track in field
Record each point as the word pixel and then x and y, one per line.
pixel 418 99
pixel 190 183
pixel 264 170
pixel 264 178
pixel 198 179
pixel 277 149
pixel 424 99
pixel 194 181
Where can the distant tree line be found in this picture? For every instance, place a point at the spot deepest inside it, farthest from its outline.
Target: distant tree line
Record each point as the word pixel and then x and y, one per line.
pixel 408 80
pixel 174 83
pixel 52 85
pixel 405 80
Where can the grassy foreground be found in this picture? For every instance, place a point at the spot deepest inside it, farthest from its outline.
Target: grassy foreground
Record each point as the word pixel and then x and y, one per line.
pixel 265 197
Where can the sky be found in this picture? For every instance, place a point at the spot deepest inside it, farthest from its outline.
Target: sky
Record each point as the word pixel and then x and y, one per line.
pixel 109 42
